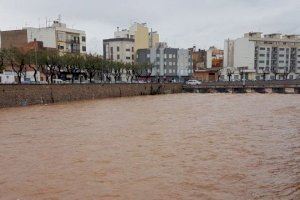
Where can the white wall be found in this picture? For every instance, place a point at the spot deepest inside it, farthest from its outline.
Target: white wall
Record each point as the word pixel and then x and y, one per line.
pixel 7 78
pixel 123 45
pixel 209 58
pixel 46 35
pixel 228 53
pixel 184 66
pixel 244 51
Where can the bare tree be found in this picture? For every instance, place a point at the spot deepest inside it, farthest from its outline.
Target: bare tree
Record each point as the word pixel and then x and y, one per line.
pixel 229 74
pixel 275 71
pixel 17 60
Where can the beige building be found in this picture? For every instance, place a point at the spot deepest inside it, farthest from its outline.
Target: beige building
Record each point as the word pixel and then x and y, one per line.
pixel 143 38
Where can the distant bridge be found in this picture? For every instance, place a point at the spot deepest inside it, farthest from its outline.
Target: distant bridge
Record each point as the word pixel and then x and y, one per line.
pixel 281 86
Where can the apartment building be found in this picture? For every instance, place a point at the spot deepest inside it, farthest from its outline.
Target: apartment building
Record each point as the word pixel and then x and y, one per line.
pixel 58 36
pixel 143 38
pixel 198 58
pixel 119 49
pixel 214 57
pixel 262 57
pixel 169 64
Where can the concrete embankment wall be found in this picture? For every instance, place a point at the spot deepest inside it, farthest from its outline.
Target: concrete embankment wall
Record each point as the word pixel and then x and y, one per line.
pixel 22 95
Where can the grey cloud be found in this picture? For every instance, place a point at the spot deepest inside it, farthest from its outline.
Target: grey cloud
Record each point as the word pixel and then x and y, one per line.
pixel 181 23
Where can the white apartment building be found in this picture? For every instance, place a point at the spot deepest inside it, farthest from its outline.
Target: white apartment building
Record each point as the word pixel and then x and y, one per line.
pixel 58 36
pixel 119 49
pixel 258 57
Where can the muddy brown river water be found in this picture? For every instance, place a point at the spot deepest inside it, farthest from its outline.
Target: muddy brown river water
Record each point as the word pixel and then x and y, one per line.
pixel 183 146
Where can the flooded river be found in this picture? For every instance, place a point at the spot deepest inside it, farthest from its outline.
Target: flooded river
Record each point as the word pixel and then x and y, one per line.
pixel 183 146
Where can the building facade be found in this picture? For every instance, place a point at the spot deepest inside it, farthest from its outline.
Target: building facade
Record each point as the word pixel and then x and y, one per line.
pixel 119 49
pixel 57 36
pixel 198 58
pixel 143 38
pixel 168 64
pixel 214 58
pixel 258 57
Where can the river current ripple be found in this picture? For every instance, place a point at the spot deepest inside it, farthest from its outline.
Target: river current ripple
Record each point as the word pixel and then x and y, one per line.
pixel 181 146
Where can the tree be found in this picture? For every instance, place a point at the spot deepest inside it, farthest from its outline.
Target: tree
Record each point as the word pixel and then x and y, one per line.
pixel 275 71
pixel 229 74
pixel 140 69
pixel 241 73
pixel 265 72
pixel 117 68
pixel 128 70
pixel 92 65
pixel 35 62
pixel 49 61
pixel 107 70
pixel 72 63
pixel 148 67
pixel 3 54
pixel 286 72
pixel 17 60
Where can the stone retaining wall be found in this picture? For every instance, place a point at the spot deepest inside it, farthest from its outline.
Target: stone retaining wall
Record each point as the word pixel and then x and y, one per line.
pixel 23 95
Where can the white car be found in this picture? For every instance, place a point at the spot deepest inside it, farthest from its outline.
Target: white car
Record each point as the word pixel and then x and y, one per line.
pixel 193 82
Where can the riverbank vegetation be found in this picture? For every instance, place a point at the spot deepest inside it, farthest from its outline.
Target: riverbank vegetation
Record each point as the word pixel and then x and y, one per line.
pixel 55 65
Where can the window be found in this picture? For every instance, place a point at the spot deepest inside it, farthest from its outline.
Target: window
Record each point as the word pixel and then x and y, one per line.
pixel 261 61
pixel 262 55
pixel 118 49
pixel 128 50
pixel 281 61
pixel 83 39
pixel 132 49
pixel 132 57
pixel 84 48
pixel 127 58
pixel 281 55
pixel 281 49
pixel 111 50
pixel 118 57
pixel 262 48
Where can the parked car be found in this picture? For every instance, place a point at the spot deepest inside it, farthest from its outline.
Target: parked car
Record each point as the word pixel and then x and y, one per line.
pixel 58 81
pixel 193 82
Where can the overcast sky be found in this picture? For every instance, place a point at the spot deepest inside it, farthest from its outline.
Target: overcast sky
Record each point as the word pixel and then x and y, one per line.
pixel 181 23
